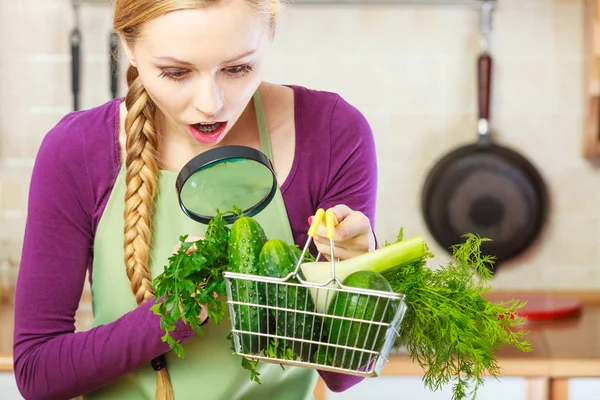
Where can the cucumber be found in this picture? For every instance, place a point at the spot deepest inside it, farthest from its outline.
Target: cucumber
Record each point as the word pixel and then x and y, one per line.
pixel 278 259
pixel 362 307
pixel 245 243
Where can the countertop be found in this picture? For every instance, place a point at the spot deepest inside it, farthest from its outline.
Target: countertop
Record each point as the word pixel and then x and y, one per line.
pixel 561 349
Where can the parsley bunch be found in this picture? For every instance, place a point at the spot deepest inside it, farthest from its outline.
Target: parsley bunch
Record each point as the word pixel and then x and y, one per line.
pixel 193 279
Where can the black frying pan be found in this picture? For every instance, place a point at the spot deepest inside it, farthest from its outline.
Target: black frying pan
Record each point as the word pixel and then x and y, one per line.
pixel 485 189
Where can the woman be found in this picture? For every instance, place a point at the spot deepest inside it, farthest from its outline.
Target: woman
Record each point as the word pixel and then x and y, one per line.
pixel 102 201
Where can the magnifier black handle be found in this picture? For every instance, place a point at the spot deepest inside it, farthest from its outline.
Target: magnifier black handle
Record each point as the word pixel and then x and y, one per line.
pixel 114 64
pixel 75 62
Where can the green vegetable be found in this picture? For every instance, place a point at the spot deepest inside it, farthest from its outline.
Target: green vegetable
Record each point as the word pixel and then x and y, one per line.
pixel 380 260
pixel 278 259
pixel 193 279
pixel 246 240
pixel 449 327
pixel 190 280
pixel 361 335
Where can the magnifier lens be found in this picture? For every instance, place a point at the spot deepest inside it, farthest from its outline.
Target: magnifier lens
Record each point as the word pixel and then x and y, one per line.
pixel 233 176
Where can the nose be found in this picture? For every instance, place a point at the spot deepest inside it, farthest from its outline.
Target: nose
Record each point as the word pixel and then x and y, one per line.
pixel 208 98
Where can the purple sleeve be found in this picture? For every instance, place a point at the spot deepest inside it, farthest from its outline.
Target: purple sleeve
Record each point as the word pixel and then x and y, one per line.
pixel 352 175
pixel 50 360
pixel 352 180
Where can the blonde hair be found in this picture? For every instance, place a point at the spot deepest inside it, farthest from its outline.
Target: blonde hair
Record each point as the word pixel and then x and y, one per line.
pixel 141 147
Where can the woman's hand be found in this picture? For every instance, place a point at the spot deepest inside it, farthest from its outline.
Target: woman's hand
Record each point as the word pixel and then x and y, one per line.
pixel 189 239
pixel 353 234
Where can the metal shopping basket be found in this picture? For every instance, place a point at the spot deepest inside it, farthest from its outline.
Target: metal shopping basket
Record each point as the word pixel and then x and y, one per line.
pixel 291 321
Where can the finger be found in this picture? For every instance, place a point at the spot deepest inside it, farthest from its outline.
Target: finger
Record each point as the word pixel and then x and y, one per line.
pixel 203 312
pixel 324 242
pixel 341 211
pixel 353 224
pixel 361 243
pixel 189 239
pixel 339 252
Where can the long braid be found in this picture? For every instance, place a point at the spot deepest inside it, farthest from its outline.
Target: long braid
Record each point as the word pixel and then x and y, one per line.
pixel 141 187
pixel 141 160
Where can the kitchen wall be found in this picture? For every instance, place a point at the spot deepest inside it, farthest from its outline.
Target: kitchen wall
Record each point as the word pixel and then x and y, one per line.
pixel 410 70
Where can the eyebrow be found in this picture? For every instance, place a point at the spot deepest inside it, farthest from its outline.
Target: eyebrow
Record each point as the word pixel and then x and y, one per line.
pixel 187 63
pixel 242 55
pixel 172 59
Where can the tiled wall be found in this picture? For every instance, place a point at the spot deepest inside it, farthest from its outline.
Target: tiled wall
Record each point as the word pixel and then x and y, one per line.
pixel 411 70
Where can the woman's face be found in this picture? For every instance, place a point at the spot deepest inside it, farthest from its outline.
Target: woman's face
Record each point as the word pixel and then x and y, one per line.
pixel 202 66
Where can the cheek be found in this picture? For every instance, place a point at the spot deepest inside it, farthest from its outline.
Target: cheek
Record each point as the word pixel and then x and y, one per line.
pixel 238 92
pixel 167 95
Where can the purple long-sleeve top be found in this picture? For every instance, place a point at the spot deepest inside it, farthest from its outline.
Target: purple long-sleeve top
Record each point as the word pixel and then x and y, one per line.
pixel 75 169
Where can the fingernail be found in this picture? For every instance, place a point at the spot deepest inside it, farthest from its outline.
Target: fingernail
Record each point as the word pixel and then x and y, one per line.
pixel 310 219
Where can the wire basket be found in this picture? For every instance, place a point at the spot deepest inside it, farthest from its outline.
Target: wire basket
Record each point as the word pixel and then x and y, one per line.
pixel 278 320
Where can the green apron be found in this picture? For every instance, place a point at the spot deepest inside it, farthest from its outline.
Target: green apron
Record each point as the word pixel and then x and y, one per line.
pixel 209 371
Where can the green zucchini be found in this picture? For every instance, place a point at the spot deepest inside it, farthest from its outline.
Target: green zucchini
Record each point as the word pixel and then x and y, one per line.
pixel 245 243
pixel 362 307
pixel 278 259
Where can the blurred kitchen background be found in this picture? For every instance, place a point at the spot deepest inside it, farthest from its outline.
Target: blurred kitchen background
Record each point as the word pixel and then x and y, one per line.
pixel 412 71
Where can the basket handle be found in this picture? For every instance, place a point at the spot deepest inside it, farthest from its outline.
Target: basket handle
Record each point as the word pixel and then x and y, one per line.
pixel 330 223
pixel 328 217
pixel 317 219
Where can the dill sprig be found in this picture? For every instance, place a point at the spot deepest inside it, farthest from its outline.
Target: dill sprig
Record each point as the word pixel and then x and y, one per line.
pixel 450 329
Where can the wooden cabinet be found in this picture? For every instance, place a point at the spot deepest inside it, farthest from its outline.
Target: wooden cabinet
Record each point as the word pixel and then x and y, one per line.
pixel 592 74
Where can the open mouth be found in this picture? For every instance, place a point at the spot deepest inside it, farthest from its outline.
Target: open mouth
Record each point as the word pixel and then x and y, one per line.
pixel 208 132
pixel 208 128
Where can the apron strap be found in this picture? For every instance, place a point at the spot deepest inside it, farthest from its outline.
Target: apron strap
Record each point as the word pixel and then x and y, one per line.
pixel 265 146
pixel 263 132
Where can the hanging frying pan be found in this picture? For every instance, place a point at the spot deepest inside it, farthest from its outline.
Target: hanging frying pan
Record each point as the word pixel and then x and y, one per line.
pixel 485 188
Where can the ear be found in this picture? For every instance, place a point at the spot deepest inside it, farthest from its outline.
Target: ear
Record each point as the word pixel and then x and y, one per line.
pixel 128 51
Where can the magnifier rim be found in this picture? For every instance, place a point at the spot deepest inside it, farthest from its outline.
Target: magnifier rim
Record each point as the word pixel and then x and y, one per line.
pixel 220 154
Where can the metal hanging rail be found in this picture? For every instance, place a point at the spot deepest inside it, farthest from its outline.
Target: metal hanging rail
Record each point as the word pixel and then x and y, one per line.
pixel 92 2
pixel 472 3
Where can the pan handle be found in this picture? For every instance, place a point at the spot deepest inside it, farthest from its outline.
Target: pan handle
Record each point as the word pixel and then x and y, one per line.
pixel 75 40
pixel 114 64
pixel 484 75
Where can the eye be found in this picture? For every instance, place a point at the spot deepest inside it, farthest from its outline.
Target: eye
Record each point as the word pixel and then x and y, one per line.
pixel 175 75
pixel 239 70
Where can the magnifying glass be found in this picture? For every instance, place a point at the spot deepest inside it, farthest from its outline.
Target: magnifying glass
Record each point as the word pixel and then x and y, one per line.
pixel 222 178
